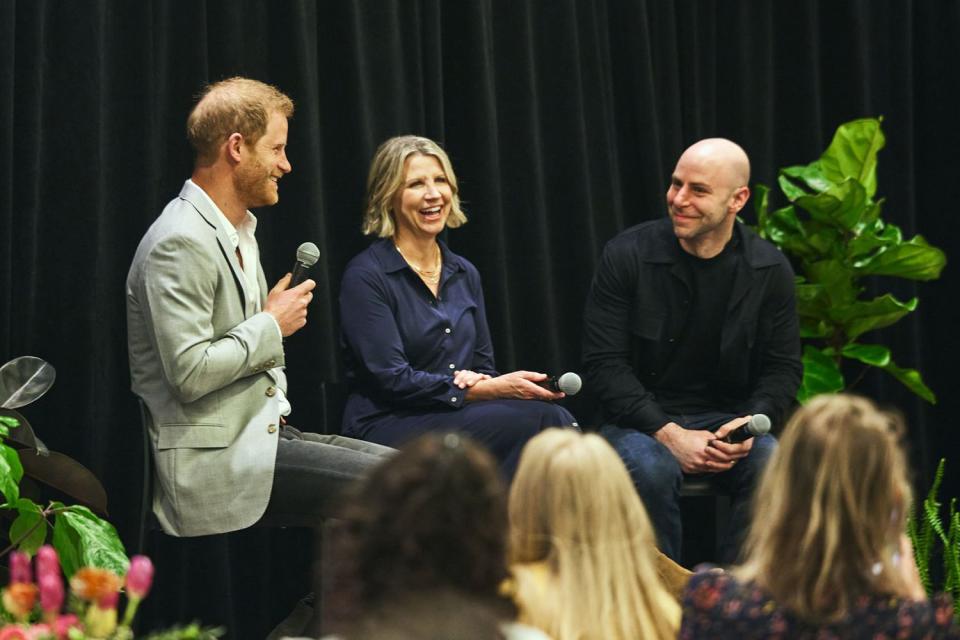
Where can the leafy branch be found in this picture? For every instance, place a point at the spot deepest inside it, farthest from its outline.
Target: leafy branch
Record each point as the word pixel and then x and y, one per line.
pixel 833 228
pixel 80 537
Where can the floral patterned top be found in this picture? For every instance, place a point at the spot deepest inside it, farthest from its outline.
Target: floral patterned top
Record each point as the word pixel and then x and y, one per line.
pixel 717 605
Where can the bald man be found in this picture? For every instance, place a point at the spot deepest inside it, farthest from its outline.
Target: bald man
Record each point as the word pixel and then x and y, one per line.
pixel 690 328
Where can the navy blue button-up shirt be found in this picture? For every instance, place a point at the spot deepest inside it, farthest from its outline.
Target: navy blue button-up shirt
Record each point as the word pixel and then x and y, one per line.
pixel 401 344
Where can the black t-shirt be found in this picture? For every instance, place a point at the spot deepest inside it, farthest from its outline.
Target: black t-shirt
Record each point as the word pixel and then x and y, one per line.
pixel 693 387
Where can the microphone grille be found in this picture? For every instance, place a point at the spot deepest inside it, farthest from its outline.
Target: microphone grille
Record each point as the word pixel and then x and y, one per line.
pixel 308 254
pixel 759 424
pixel 569 383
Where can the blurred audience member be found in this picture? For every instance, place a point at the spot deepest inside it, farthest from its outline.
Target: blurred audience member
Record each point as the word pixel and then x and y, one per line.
pixel 826 553
pixel 583 552
pixel 421 552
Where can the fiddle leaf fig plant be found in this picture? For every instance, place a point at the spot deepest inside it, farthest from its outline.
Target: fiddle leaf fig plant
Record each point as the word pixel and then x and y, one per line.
pixel 833 229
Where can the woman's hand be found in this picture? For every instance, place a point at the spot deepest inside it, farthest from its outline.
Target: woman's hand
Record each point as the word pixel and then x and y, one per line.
pixel 519 385
pixel 466 378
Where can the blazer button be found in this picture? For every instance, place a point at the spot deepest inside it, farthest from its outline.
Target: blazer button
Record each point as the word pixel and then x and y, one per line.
pixel 271 391
pixel 271 428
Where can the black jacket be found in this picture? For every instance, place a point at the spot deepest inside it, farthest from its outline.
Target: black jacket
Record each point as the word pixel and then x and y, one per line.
pixel 637 308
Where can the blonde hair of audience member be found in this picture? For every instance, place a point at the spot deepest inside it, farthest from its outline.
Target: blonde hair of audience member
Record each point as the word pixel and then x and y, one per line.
pixel 235 105
pixel 386 179
pixel 573 506
pixel 829 511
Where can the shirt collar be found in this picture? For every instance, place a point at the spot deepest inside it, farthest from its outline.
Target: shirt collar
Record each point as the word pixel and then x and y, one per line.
pixel 248 226
pixel 392 261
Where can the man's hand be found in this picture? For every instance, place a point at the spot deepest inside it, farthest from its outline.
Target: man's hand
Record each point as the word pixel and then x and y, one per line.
pixel 521 385
pixel 721 451
pixel 289 306
pixel 700 451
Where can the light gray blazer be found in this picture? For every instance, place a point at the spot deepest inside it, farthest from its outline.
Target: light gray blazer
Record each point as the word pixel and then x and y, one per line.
pixel 203 368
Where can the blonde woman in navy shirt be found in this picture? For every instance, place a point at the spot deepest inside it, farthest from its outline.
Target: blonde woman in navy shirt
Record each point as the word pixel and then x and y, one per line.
pixel 417 349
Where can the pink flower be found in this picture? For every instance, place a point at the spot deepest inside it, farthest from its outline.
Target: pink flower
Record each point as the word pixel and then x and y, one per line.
pixel 51 592
pixel 39 632
pixel 20 567
pixel 109 600
pixel 64 623
pixel 13 632
pixel 47 561
pixel 139 577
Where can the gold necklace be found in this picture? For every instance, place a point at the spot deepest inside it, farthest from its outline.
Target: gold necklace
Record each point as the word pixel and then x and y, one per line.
pixel 430 276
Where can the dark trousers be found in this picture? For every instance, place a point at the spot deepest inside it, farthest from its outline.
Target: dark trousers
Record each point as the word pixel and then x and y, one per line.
pixel 502 426
pixel 312 472
pixel 657 476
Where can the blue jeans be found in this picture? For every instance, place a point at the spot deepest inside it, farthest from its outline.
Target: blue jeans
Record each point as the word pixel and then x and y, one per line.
pixel 657 476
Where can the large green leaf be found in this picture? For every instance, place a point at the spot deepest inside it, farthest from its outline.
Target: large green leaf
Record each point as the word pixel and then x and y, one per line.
pixel 836 278
pixel 11 471
pixel 872 237
pixel 67 543
pixel 875 355
pixel 809 175
pixel 820 374
pixel 859 317
pixel 841 205
pixel 29 529
pixel 911 379
pixel 913 259
pixel 97 542
pixel 853 153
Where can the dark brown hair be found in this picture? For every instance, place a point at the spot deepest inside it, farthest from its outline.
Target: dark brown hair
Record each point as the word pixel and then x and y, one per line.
pixel 431 518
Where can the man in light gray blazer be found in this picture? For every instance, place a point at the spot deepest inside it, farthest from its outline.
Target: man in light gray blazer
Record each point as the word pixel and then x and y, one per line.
pixel 205 337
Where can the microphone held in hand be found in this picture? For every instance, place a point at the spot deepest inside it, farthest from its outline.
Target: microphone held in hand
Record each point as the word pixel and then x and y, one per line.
pixel 569 383
pixel 758 425
pixel 307 256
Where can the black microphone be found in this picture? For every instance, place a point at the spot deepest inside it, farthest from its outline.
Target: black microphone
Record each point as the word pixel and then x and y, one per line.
pixel 307 256
pixel 758 425
pixel 569 383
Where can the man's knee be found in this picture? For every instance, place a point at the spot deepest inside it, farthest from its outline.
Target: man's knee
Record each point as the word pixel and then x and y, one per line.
pixel 651 465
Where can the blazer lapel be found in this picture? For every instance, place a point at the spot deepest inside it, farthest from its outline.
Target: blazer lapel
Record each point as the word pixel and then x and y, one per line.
pixel 201 202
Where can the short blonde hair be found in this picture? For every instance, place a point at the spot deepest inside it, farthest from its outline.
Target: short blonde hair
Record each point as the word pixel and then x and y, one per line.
pixel 235 105
pixel 573 506
pixel 830 509
pixel 386 179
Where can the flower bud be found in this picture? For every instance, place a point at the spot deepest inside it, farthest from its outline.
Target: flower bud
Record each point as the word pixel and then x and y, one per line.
pixel 20 567
pixel 139 577
pixel 47 561
pixel 51 592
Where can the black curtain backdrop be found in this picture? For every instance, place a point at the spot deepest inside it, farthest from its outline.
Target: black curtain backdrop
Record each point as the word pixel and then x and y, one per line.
pixel 563 120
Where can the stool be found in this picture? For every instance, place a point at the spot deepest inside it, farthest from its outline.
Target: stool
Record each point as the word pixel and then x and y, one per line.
pixel 702 488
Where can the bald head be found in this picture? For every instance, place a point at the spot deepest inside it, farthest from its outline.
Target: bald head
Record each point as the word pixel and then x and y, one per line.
pixel 725 157
pixel 708 189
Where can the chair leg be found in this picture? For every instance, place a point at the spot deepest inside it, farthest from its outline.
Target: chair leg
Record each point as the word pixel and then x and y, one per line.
pixel 319 580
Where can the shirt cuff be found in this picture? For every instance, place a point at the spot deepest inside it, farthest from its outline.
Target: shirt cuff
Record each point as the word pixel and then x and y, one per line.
pixel 454 396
